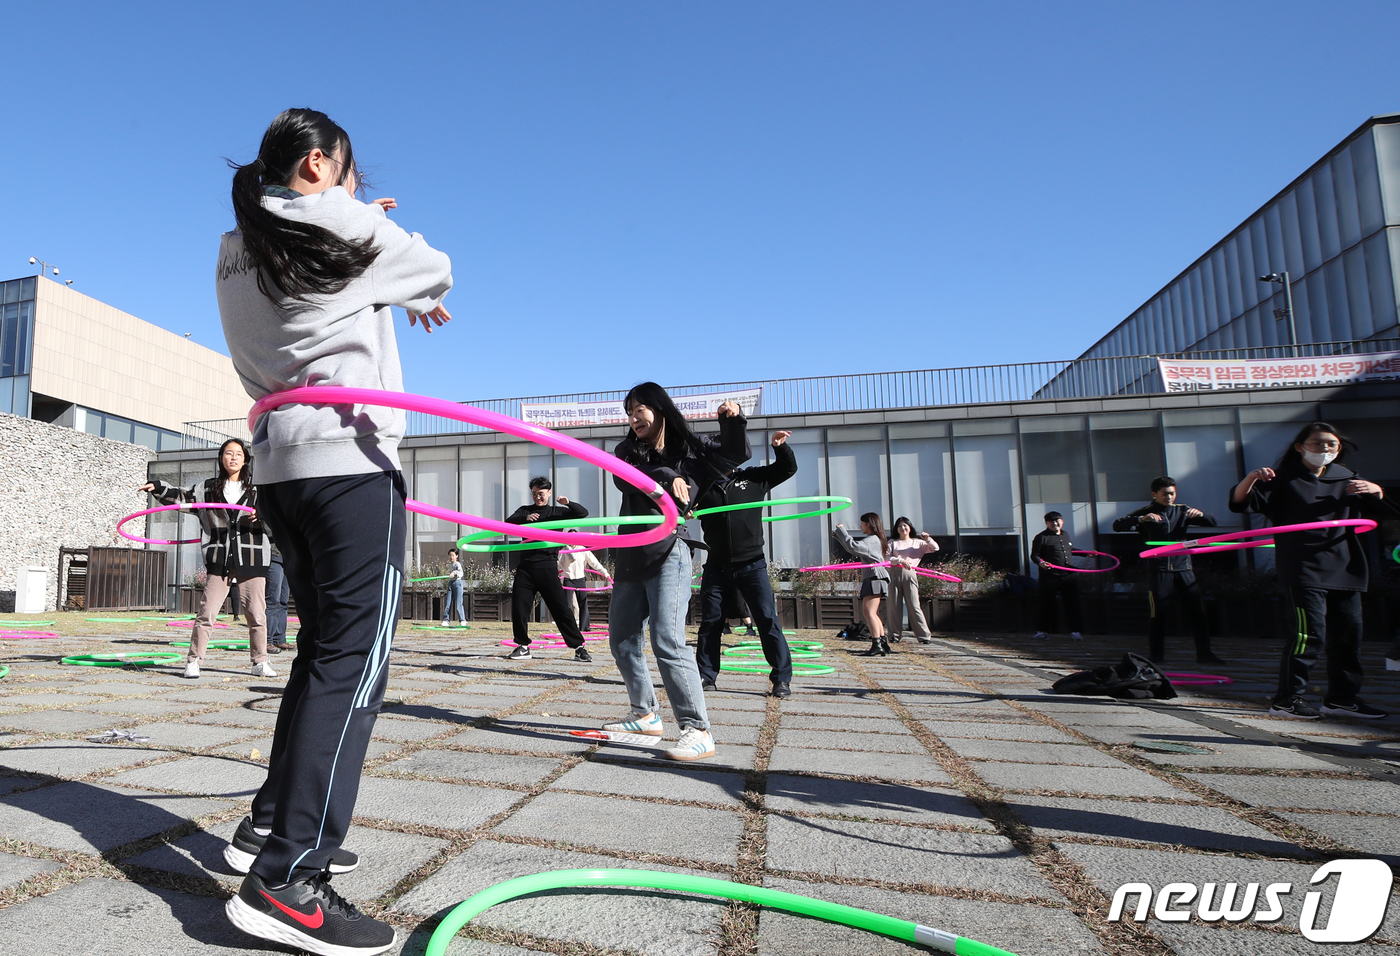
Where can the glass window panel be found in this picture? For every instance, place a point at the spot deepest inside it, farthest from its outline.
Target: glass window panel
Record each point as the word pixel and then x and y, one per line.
pixel 988 474
pixel 1235 302
pixel 1387 138
pixel 1055 453
pixel 10 291
pixel 21 400
pixel 148 436
pixel 921 477
pixel 170 441
pixel 24 336
pixel 1358 295
pixel 117 429
pixel 1275 259
pixel 1309 308
pixel 9 332
pixel 7 395
pixel 1368 186
pixel 1128 454
pixel 1344 188
pixel 26 291
pixel 579 481
pixel 800 543
pixel 1307 227
pixel 1267 430
pixel 1337 329
pixel 435 483
pixel 1249 287
pixel 920 430
pixel 1379 284
pixel 612 495
pixel 857 469
pixel 1292 234
pixel 989 426
pixel 524 462
pixel 1202 455
pixel 1324 196
pixel 1371 425
pixel 482 480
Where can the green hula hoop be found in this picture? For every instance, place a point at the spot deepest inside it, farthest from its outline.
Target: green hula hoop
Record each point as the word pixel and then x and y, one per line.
pixel 439 577
pixel 172 617
pixel 1209 544
pixel 4 669
pixel 122 659
pixel 878 923
pixel 114 620
pixel 27 623
pixel 756 652
pixel 217 645
pixel 804 645
pixel 806 668
pixel 1395 555
pixel 466 542
pixel 839 503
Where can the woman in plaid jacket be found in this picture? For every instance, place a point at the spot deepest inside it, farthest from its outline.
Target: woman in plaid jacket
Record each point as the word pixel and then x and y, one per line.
pixel 237 552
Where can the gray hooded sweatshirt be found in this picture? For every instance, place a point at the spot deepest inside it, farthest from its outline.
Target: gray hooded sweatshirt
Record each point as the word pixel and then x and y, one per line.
pixel 342 339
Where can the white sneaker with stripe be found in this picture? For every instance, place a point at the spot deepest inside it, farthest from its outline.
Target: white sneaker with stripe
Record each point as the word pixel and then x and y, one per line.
pixel 649 724
pixel 693 745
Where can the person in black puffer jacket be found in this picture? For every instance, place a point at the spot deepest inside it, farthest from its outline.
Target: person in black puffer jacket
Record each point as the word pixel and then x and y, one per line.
pixel 1053 546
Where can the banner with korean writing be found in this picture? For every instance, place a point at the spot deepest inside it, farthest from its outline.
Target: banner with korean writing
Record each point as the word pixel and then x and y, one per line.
pixel 575 414
pixel 1182 375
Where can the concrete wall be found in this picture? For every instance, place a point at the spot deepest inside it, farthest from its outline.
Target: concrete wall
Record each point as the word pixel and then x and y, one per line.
pixel 90 353
pixel 61 488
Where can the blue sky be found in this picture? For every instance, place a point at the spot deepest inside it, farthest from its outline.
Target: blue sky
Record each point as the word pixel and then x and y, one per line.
pixel 696 192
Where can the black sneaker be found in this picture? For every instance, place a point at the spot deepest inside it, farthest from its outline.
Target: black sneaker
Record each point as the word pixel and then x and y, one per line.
pixel 248 843
pixel 521 653
pixel 307 915
pixel 708 685
pixel 782 689
pixel 582 655
pixel 1355 709
pixel 1295 709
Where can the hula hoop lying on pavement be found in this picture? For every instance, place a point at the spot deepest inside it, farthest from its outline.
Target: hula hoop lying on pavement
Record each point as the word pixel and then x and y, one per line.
pixel 1186 680
pixel 29 623
pixel 877 923
pixel 758 652
pixel 181 506
pixel 113 620
pixel 341 395
pixel 852 565
pixel 1104 554
pixel 167 617
pixel 27 635
pixel 122 659
pixel 840 504
pixel 186 623
pixel 218 645
pixel 1233 542
pixel 802 668
pixel 4 669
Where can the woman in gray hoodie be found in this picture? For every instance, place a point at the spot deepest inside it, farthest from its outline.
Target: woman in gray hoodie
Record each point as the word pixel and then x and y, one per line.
pixel 875 581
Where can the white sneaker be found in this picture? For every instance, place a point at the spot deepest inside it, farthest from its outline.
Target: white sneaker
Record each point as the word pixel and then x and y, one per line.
pixel 1075 636
pixel 263 669
pixel 1040 635
pixel 192 669
pixel 1391 664
pixel 649 724
pixel 693 745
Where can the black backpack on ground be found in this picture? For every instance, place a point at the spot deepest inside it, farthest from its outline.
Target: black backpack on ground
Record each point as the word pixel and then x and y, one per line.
pixel 1136 678
pixel 854 631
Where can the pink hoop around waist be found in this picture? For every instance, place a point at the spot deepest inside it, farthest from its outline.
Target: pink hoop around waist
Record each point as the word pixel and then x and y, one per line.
pixel 851 566
pixel 1058 567
pixel 341 395
pixel 181 506
pixel 1185 547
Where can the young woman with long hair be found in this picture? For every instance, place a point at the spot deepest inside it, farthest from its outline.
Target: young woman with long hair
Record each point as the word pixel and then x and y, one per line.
pixel 904 550
pixel 652 583
pixel 875 581
pixel 305 285
pixel 1323 572
pixel 237 552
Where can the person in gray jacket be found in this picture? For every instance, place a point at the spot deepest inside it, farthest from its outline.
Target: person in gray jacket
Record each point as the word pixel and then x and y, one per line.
pixel 875 581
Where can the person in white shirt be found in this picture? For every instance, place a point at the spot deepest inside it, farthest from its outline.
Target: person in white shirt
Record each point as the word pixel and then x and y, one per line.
pixel 573 568
pixel 904 551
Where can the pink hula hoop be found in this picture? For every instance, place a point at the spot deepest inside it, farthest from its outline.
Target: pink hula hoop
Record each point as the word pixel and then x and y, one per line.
pixel 181 506
pixel 1057 567
pixel 27 635
pixel 341 395
pixel 851 566
pixel 1186 680
pixel 191 624
pixel 600 590
pixel 1265 534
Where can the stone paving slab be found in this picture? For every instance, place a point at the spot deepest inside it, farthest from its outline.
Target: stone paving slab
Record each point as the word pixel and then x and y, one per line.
pixel 732 756
pixel 1027 930
pixel 95 817
pixel 866 725
pixel 460 765
pixel 238 717
pixel 511 736
pixel 850 763
pixel 1033 752
pixel 884 801
pixel 1192 940
pixel 802 704
pixel 208 776
pixel 15 700
pixel 73 758
pixel 408 730
pixel 191 736
pixel 879 851
pixel 12 784
pixel 691 833
pixel 141 707
pixel 1193 826
pixel 650 924
pixel 1367 796
pixel 1106 781
pixel 448 805
pixel 1377 837
pixel 1000 730
pixel 697 781
pixel 1235 752
pixel 845 740
pixel 14 870
pixel 63 722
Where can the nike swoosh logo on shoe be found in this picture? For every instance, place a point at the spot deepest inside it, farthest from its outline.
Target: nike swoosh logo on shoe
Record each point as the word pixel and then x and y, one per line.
pixel 309 920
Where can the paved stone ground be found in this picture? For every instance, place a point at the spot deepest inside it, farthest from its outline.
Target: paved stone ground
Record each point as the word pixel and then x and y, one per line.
pixel 944 784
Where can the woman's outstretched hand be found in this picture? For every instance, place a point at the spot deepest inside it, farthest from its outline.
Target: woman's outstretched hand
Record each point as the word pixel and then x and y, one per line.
pixel 148 486
pixel 440 315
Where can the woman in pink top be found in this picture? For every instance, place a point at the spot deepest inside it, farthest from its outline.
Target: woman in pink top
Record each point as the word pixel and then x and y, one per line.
pixel 905 549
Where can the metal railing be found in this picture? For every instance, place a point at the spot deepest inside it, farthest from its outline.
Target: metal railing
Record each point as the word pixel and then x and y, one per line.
pixel 877 391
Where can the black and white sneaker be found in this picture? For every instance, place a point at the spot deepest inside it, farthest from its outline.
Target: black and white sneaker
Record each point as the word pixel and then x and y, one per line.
pixel 521 653
pixel 248 843
pixel 1356 709
pixel 582 655
pixel 309 915
pixel 1295 709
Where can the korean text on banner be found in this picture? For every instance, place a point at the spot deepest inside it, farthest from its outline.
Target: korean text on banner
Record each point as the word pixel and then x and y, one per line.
pixel 1181 375
pixel 575 414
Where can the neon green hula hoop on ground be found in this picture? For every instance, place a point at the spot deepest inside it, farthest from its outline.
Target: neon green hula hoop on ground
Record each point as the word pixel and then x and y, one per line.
pixel 4 669
pixel 803 668
pixel 838 504
pixel 140 658
pixel 938 939
pixel 466 542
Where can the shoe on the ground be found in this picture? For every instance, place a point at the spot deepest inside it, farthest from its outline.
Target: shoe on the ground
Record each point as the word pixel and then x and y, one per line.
pixel 693 745
pixel 581 654
pixel 1040 636
pixel 521 653
pixel 1356 708
pixel 708 685
pixel 263 669
pixel 247 843
pixel 307 915
pixel 750 630
pixel 192 669
pixel 1075 636
pixel 1295 709
pixel 275 648
pixel 649 724
pixel 782 689
pixel 445 624
pixel 1211 659
pixel 925 640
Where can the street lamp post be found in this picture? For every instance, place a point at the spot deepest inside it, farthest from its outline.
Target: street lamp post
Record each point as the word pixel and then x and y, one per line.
pixel 1281 278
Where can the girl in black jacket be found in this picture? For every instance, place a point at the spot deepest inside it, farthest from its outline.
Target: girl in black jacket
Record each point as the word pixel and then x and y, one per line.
pixel 1323 571
pixel 237 552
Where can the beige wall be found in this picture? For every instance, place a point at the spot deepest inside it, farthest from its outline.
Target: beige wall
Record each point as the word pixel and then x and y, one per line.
pixel 90 353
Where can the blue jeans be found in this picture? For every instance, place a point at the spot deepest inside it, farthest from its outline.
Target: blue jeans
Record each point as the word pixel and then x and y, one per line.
pixel 453 598
pixel 663 598
pixel 751 580
pixel 277 593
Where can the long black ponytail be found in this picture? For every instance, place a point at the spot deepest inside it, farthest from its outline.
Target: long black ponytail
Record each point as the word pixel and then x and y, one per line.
pixel 299 259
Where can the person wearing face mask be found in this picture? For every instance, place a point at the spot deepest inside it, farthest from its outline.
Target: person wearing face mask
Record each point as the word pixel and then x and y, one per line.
pixel 1323 571
pixel 1172 576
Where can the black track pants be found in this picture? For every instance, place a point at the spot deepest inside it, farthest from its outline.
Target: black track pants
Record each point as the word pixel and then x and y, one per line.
pixel 1052 583
pixel 1318 617
pixel 1165 586
pixel 542 579
pixel 750 580
pixel 342 542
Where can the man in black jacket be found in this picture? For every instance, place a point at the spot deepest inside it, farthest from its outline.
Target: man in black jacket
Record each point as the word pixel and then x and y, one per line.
pixel 538 574
pixel 1053 546
pixel 1165 520
pixel 736 561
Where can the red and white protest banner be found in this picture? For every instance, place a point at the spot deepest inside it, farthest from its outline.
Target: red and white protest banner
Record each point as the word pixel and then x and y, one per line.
pixel 575 414
pixel 1208 375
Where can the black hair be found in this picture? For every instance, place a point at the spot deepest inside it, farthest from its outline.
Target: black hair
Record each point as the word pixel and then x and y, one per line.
pixel 540 481
pixel 678 437
pixel 245 474
pixel 1165 481
pixel 298 258
pixel 877 528
pixel 1053 516
pixel 451 550
pixel 894 528
pixel 1292 457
